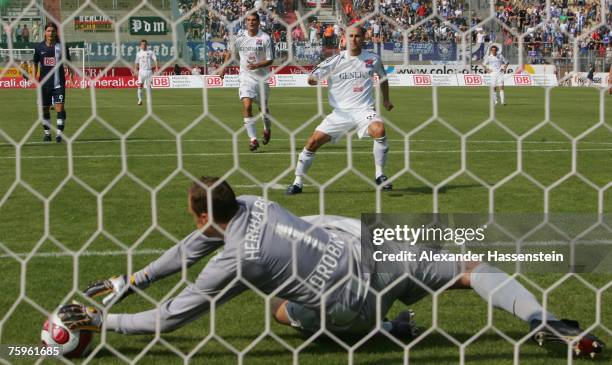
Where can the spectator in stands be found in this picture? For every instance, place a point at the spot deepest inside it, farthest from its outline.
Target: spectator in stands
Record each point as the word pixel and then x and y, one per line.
pixel 276 35
pixel 297 34
pixel 375 31
pixel 280 7
pixel 328 36
pixel 422 11
pixel 312 32
pixel 18 34
pixel 480 43
pixel 177 69
pixel 591 75
pixel 25 34
pixel 337 32
pixel 196 27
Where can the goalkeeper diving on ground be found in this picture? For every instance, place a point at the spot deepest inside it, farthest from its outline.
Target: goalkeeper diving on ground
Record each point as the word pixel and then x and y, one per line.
pixel 265 244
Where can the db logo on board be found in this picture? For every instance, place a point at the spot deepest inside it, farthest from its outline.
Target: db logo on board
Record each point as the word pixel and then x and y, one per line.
pixel 472 80
pixel 161 81
pixel 214 81
pixel 422 80
pixel 522 80
pixel 272 81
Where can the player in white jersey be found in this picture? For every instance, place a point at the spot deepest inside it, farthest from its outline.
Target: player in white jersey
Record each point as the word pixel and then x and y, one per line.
pixel 496 65
pixel 145 60
pixel 254 47
pixel 349 76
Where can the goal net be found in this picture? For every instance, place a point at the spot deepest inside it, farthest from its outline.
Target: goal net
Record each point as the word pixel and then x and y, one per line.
pixel 506 147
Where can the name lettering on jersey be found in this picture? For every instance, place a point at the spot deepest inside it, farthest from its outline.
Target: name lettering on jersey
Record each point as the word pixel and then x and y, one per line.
pixel 252 242
pixel 298 236
pixel 250 48
pixel 355 75
pixel 48 61
pixel 328 263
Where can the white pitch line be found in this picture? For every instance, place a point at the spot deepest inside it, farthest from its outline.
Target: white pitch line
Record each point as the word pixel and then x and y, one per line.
pixel 44 157
pixel 225 140
pixel 86 253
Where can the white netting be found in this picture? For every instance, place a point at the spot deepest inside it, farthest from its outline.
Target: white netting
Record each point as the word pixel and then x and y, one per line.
pixel 438 23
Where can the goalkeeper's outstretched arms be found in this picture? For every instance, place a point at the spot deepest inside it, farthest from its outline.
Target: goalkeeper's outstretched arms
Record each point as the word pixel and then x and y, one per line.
pixel 190 250
pixel 215 282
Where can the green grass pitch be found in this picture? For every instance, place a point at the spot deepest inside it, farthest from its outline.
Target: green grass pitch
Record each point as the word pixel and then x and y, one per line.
pixel 142 203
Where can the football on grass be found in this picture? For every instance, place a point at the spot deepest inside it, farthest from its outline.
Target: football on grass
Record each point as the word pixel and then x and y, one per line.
pixel 70 343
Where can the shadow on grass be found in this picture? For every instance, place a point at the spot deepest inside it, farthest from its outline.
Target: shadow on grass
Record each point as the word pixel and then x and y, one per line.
pixel 397 191
pixel 426 190
pixel 433 349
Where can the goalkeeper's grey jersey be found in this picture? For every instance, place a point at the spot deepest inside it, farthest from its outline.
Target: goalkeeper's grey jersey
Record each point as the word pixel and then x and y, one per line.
pixel 264 245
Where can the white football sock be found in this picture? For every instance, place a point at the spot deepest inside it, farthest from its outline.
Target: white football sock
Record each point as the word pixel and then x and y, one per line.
pixel 60 126
pixel 47 126
pixel 494 97
pixel 304 162
pixel 139 94
pixel 250 127
pixel 506 293
pixel 502 96
pixel 380 150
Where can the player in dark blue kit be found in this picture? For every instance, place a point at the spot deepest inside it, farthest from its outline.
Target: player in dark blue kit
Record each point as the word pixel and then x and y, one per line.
pixel 49 56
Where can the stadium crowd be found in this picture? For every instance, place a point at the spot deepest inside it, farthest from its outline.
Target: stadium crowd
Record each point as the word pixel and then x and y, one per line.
pixel 21 33
pixel 405 13
pixel 217 29
pixel 552 39
pixel 569 18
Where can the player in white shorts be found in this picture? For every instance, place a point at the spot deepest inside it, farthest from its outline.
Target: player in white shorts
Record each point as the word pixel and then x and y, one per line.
pixel 254 47
pixel 496 65
pixel 349 75
pixel 145 60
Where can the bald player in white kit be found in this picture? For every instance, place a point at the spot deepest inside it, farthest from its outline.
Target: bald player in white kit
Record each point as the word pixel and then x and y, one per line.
pixel 145 61
pixel 300 260
pixel 256 52
pixel 496 65
pixel 349 77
